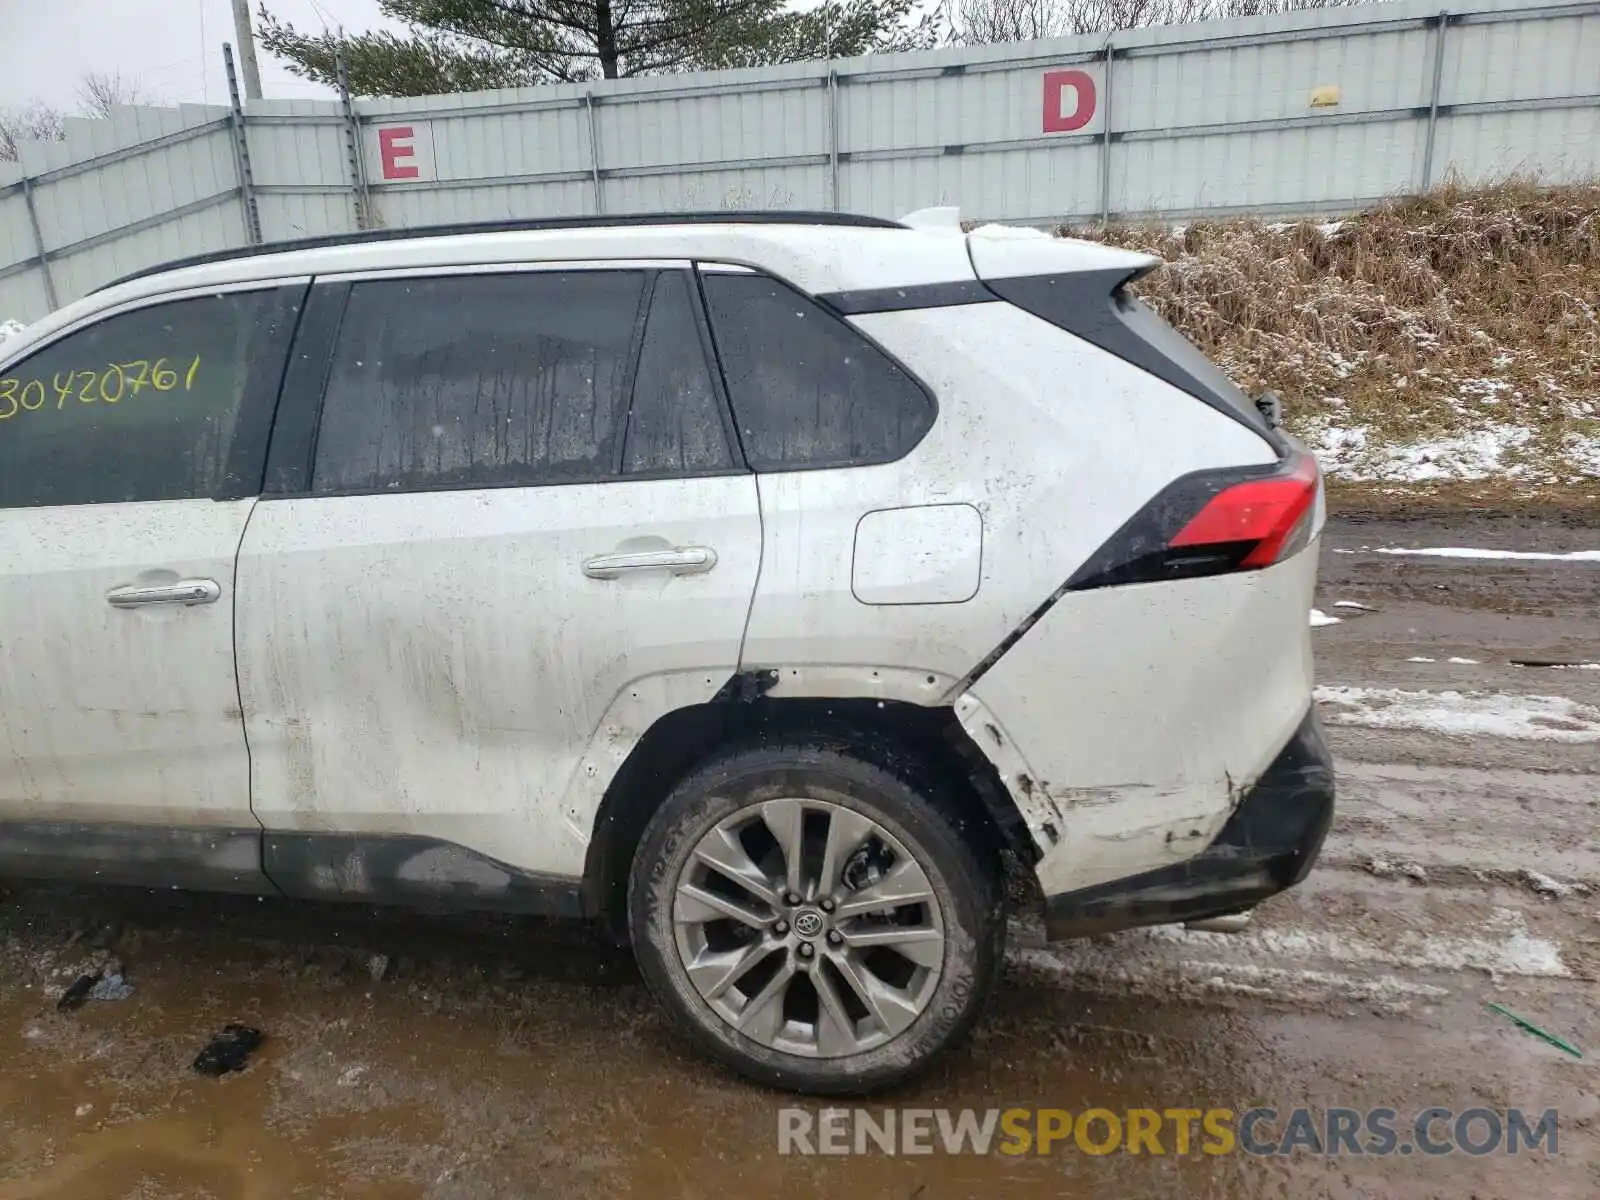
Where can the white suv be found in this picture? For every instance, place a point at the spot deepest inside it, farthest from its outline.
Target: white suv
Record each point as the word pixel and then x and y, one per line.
pixel 757 583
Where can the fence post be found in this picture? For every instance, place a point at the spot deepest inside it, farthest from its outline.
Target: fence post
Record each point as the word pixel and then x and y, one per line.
pixel 38 244
pixel 594 153
pixel 1433 101
pixel 241 152
pixel 1105 141
pixel 358 160
pixel 833 137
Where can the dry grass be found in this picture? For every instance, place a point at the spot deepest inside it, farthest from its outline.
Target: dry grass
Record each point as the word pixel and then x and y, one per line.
pixel 1465 316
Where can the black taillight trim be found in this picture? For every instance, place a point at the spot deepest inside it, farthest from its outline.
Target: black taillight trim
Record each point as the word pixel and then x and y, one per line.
pixel 1140 551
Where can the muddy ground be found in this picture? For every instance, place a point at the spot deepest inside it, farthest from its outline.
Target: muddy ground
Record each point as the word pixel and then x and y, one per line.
pixel 447 1058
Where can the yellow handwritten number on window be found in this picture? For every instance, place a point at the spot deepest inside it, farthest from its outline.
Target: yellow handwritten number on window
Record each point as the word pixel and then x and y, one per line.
pixel 107 386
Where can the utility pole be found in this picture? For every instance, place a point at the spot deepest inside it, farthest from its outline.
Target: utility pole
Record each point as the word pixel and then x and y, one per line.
pixel 247 49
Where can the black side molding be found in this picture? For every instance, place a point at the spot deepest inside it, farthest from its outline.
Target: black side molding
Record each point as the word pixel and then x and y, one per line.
pixel 421 871
pixel 160 856
pixel 370 868
pixel 898 299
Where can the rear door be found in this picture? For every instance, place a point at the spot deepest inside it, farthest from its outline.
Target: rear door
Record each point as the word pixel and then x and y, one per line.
pixel 131 453
pixel 520 500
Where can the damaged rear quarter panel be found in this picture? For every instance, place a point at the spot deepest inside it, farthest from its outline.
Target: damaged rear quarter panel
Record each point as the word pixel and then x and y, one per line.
pixel 1146 710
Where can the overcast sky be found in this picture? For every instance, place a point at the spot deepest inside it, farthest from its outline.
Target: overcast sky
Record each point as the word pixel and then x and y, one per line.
pixel 171 48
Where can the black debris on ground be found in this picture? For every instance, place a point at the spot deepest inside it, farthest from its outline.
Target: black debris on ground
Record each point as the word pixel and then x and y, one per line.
pixel 228 1050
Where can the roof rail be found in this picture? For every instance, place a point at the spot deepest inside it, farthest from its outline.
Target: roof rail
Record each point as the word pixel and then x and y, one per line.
pixel 517 225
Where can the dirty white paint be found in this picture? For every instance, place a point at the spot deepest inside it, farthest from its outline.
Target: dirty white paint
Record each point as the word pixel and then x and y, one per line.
pixel 438 663
pixel 1043 816
pixel 1023 447
pixel 930 554
pixel 116 714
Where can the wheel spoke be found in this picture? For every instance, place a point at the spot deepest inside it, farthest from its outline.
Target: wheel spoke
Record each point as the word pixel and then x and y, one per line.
pixel 892 1009
pixel 762 1017
pixel 905 883
pixel 715 971
pixel 847 830
pixel 786 821
pixel 695 906
pixel 836 1029
pixel 722 850
pixel 921 945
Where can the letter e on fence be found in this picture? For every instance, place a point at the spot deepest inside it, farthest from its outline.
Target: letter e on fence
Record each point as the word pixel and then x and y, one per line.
pixel 1069 101
pixel 401 153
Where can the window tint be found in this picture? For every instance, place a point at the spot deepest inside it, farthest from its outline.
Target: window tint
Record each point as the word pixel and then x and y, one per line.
pixel 807 389
pixel 477 381
pixel 676 420
pixel 140 406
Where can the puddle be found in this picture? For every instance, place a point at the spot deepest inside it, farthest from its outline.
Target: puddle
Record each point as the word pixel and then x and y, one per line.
pixel 484 1071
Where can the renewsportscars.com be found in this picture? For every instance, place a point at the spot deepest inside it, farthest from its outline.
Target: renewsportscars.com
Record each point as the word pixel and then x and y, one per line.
pixel 1180 1131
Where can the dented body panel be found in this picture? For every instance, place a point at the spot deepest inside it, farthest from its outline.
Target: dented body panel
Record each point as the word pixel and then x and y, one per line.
pixel 1149 710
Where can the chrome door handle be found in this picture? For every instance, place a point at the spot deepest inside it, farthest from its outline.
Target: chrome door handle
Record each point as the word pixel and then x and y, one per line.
pixel 683 560
pixel 185 591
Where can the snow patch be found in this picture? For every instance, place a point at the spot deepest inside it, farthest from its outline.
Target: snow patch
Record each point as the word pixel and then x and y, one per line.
pixel 1583 453
pixel 1420 658
pixel 10 329
pixel 1462 714
pixel 1354 604
pixel 1320 618
pixel 1463 662
pixel 1474 552
pixel 1303 966
pixel 1575 666
pixel 1150 974
pixel 1350 453
pixel 1546 886
pixel 1508 948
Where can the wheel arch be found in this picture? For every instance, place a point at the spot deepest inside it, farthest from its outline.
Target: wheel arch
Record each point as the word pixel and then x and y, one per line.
pixel 743 710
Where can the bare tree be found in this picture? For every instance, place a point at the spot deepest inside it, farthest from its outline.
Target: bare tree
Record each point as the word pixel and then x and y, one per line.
pixel 98 93
pixel 101 91
pixel 35 122
pixel 984 22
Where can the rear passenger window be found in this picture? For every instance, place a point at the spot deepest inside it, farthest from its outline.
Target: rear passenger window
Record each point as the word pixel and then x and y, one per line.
pixel 478 381
pixel 139 406
pixel 676 424
pixel 807 389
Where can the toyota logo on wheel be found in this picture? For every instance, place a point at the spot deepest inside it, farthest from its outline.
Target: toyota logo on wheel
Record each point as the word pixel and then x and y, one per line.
pixel 808 924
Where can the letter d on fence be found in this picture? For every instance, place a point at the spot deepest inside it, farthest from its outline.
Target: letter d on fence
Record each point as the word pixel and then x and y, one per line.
pixel 1069 101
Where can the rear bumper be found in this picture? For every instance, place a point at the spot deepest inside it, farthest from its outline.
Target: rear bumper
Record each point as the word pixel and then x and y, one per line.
pixel 1267 845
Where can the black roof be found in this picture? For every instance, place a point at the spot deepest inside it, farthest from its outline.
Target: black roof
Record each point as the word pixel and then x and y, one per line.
pixel 517 225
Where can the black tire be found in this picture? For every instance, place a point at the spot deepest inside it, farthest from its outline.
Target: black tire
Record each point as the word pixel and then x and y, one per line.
pixel 953 848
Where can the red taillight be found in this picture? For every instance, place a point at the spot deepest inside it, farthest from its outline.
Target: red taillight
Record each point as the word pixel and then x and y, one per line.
pixel 1210 523
pixel 1265 512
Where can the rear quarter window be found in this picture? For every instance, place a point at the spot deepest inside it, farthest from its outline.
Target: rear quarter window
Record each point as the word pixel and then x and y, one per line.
pixel 809 390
